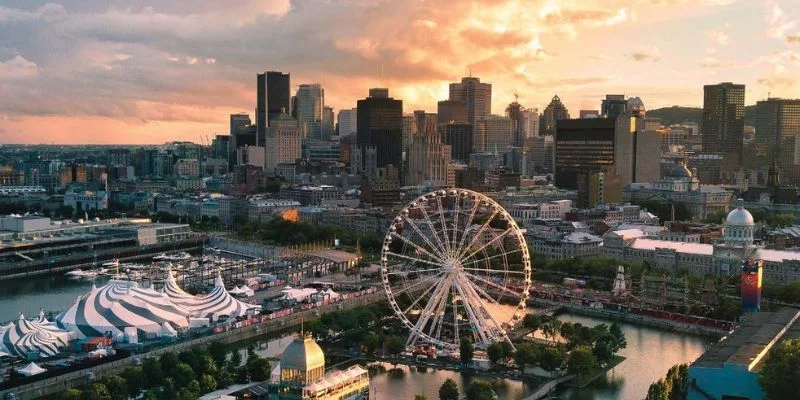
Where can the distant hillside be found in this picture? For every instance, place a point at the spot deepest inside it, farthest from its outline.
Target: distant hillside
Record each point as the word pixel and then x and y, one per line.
pixel 677 114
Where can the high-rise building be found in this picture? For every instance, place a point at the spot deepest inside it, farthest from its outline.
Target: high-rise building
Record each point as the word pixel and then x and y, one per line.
pixel 530 122
pixel 347 122
pixel 309 104
pixel 723 122
pixel 475 95
pixel 459 138
pixel 283 143
pixel 514 112
pixel 541 154
pixel 428 161
pixel 553 112
pixel 454 111
pixel 242 133
pixel 380 125
pixel 590 145
pixel 273 95
pixel 409 131
pixel 426 123
pixel 613 106
pixel 328 125
pixel 492 134
pixel 778 137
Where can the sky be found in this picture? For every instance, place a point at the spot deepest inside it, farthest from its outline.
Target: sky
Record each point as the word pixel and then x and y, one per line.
pixel 146 71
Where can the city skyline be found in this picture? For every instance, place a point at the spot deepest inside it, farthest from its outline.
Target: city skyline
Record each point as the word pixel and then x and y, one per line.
pixel 144 72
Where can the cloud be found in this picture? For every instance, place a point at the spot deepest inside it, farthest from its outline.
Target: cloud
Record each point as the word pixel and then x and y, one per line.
pixel 794 38
pixel 780 24
pixel 17 68
pixel 719 35
pixel 645 54
pixel 711 62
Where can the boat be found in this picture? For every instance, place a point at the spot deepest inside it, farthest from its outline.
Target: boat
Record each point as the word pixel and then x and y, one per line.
pixel 79 275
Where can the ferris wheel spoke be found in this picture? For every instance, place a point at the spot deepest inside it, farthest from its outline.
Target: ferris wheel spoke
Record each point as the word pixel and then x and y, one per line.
pixel 474 288
pixel 472 316
pixel 501 288
pixel 468 222
pixel 425 314
pixel 416 246
pixel 446 238
pixel 438 317
pixel 495 271
pixel 434 232
pixel 413 271
pixel 437 250
pixel 414 285
pixel 478 234
pixel 413 259
pixel 454 307
pixel 428 290
pixel 466 261
pixel 496 238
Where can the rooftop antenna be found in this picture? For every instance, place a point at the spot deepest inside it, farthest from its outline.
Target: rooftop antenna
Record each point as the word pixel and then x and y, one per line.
pixel 381 74
pixel 470 72
pixel 516 96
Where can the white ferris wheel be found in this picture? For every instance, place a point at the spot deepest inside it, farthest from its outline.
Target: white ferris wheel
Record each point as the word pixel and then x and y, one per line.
pixel 455 265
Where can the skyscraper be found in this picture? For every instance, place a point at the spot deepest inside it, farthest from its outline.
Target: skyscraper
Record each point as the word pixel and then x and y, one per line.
pixel 273 95
pixel 327 123
pixel 613 106
pixel 309 104
pixel 553 112
pixel 476 96
pixel 347 122
pixel 777 130
pixel 514 112
pixel 451 111
pixel 283 142
pixel 723 122
pixel 428 161
pixel 459 138
pixel 492 134
pixel 380 125
pixel 425 122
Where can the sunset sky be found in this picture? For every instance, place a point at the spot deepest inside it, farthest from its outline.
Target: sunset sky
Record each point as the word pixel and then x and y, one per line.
pixel 138 71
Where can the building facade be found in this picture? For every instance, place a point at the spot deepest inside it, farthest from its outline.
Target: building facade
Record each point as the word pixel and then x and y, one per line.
pixel 723 122
pixel 380 125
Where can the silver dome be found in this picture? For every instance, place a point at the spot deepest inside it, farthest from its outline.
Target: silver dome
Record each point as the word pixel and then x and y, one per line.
pixel 739 216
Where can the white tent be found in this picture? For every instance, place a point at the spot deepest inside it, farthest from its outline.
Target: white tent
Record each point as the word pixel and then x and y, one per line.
pixel 25 336
pixel 168 330
pixel 236 290
pixel 31 369
pixel 218 302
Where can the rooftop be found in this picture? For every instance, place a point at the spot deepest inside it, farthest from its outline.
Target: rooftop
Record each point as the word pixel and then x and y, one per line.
pixel 750 342
pixel 680 247
pixel 337 256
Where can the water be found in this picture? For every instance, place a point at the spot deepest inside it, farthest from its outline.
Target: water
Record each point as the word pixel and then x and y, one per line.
pixel 28 296
pixel 650 352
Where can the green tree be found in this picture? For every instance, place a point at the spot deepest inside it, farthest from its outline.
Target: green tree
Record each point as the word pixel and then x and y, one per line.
pixel 69 394
pixel 117 387
pixel 372 342
pixel 448 390
pixel 551 358
pixel 184 374
pixel 258 369
pixel 581 361
pixel 526 354
pixel 236 358
pixel 531 321
pixel 479 390
pixel 781 371
pixel 95 391
pixel 218 352
pixel 169 363
pixel 207 383
pixel 155 374
pixel 495 353
pixel 618 338
pixel 420 397
pixel 467 351
pixel 395 345
pixel 135 378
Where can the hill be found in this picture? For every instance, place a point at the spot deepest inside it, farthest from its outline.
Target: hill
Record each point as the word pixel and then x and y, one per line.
pixel 678 114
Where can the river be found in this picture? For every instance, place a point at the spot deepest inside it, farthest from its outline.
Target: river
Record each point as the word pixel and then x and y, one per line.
pixel 650 352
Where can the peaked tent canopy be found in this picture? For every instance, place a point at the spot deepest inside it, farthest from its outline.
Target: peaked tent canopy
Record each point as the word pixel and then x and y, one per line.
pixel 31 369
pixel 218 302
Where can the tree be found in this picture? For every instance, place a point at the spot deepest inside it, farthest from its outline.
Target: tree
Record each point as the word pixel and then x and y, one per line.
pixel 155 374
pixel 495 353
pixel 395 345
pixel 135 378
pixel 258 369
pixel 218 352
pixel 117 387
pixel 526 354
pixel 95 391
pixel 207 383
pixel 781 371
pixel 480 390
pixel 581 361
pixel 69 394
pixel 551 358
pixel 448 390
pixel 236 358
pixel 184 374
pixel 618 338
pixel 169 363
pixel 420 397
pixel 466 351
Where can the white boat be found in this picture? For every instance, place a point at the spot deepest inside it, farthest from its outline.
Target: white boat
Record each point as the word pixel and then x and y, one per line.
pixel 113 264
pixel 81 275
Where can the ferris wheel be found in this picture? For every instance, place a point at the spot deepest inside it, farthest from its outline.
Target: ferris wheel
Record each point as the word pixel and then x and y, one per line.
pixel 455 265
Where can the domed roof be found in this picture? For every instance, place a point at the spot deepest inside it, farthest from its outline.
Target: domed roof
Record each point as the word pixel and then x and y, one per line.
pixel 303 354
pixel 680 171
pixel 739 216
